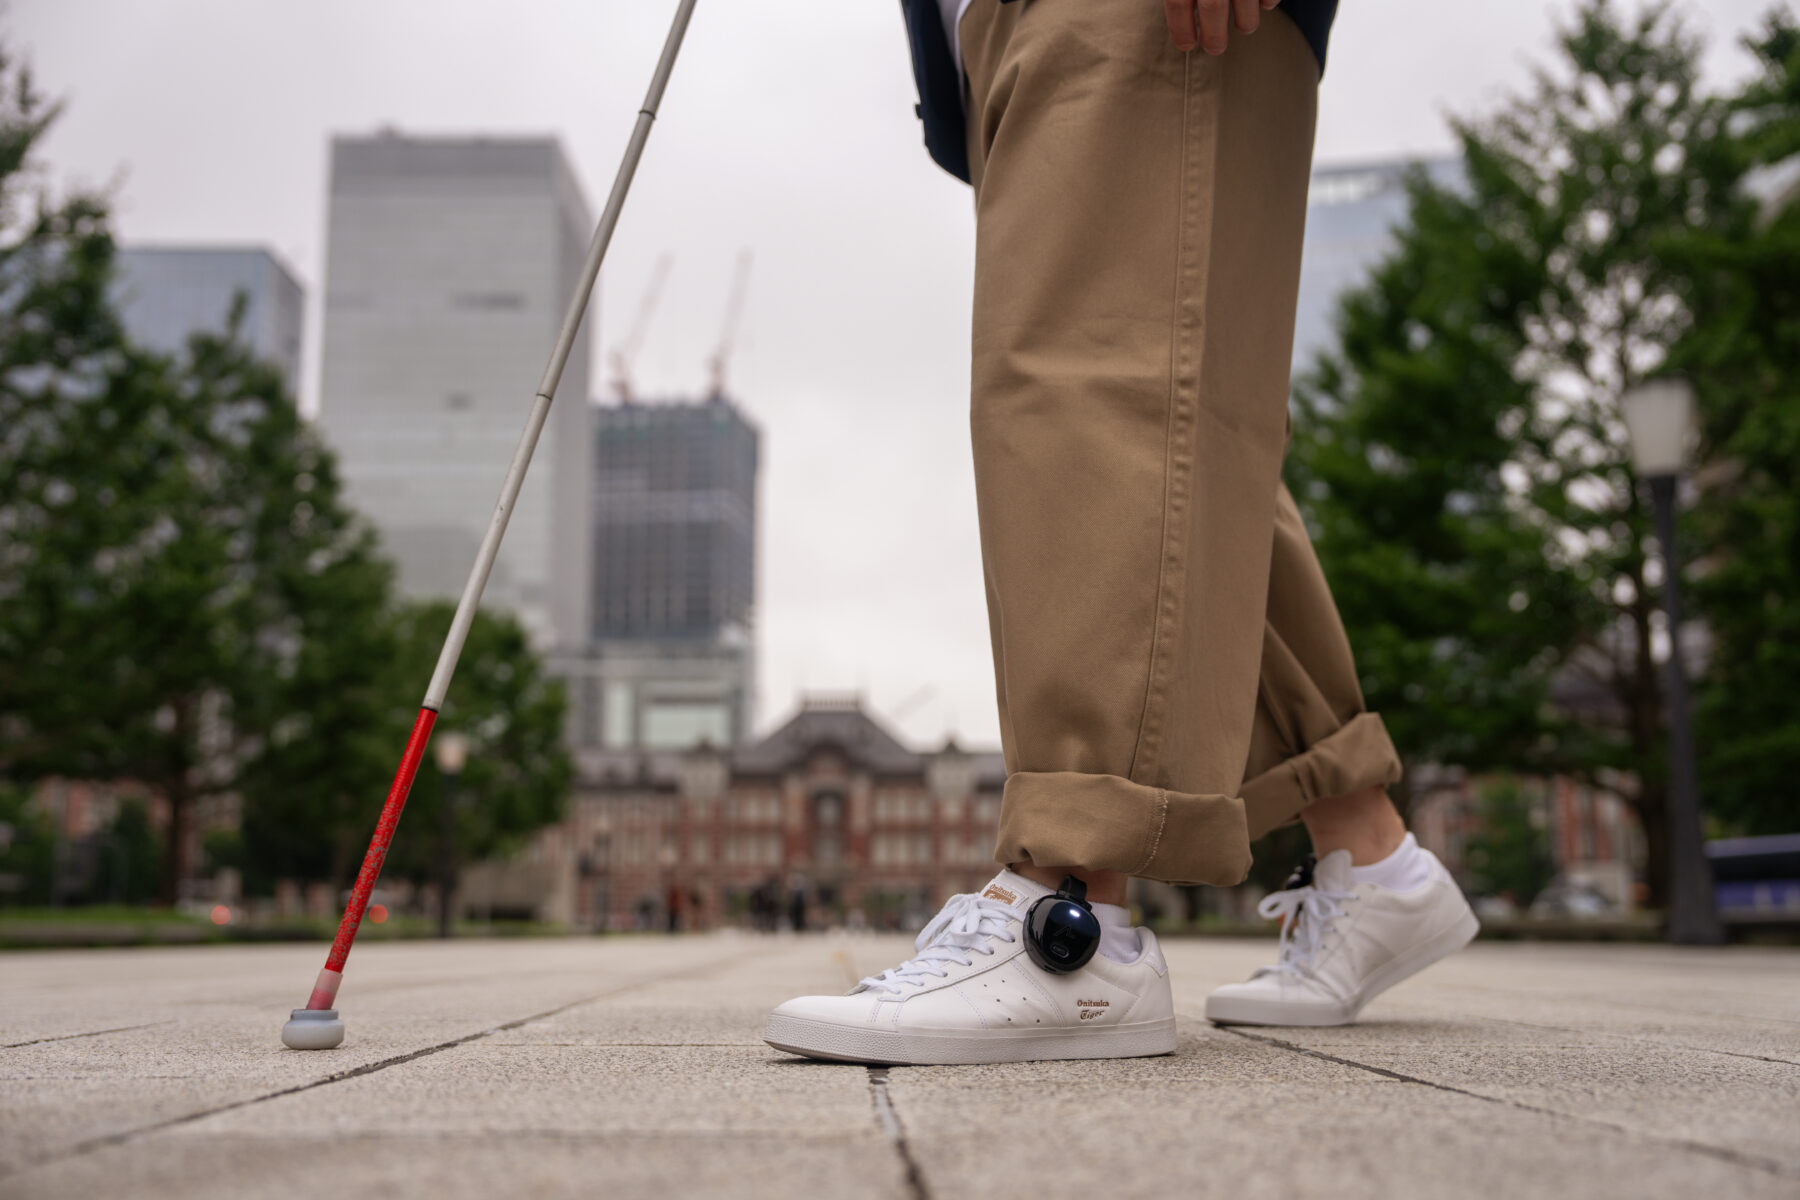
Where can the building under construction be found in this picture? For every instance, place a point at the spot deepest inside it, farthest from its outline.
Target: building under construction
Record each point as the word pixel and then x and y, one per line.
pixel 675 520
pixel 671 662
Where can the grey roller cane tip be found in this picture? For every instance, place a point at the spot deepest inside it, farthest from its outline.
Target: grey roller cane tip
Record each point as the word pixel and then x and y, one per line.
pixel 313 1029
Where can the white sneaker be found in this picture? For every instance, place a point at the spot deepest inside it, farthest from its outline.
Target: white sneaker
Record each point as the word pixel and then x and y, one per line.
pixel 1344 943
pixel 972 995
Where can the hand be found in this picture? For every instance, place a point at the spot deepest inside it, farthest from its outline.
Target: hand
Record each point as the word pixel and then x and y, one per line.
pixel 1210 31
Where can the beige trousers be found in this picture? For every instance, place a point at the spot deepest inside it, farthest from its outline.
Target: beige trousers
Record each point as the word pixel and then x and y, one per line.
pixel 1172 674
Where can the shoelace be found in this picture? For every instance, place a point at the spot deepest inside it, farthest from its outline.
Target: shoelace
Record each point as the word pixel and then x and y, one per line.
pixel 954 934
pixel 1307 914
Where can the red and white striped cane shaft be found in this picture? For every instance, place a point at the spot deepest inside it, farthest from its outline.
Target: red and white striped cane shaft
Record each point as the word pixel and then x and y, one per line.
pixel 324 992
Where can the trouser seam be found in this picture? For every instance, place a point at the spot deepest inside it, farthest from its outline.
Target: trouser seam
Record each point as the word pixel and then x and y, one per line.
pixel 1162 823
pixel 1170 563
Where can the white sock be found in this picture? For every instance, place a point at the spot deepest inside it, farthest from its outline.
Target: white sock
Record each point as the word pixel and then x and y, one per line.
pixel 1402 871
pixel 1118 940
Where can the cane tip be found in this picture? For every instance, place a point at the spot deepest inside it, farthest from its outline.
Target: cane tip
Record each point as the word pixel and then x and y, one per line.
pixel 313 1029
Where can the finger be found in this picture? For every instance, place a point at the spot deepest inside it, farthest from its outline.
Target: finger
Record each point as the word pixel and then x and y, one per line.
pixel 1245 14
pixel 1180 15
pixel 1268 4
pixel 1215 24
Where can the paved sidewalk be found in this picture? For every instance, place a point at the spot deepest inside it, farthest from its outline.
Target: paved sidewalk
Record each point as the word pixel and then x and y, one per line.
pixel 632 1067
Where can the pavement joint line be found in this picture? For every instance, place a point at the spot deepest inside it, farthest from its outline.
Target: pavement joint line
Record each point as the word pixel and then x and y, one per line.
pixel 1736 1157
pixel 1655 1008
pixel 65 1037
pixel 633 1045
pixel 126 1135
pixel 1644 1041
pixel 889 1121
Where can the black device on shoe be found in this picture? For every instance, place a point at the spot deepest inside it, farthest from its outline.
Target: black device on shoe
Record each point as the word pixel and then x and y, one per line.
pixel 1061 931
pixel 1302 874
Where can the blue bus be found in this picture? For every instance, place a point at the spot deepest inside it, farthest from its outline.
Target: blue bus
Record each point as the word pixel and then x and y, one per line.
pixel 1756 878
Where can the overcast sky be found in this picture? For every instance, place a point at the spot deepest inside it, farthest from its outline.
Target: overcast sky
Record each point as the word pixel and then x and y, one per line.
pixel 788 130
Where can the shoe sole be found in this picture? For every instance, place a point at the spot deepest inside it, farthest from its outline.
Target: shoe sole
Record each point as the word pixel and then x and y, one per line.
pixel 838 1043
pixel 1233 1010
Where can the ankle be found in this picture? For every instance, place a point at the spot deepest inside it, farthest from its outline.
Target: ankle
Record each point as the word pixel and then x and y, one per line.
pixel 1365 823
pixel 1103 887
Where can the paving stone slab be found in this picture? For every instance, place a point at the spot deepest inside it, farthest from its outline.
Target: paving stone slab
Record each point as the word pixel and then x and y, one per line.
pixel 1321 1138
pixel 484 1089
pixel 1746 1105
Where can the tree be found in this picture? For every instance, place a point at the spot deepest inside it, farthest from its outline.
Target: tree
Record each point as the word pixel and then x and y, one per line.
pixel 59 346
pixel 315 776
pixel 173 551
pixel 1744 360
pixel 1446 582
pixel 191 565
pixel 1461 455
pixel 313 796
pixel 1510 856
pixel 519 771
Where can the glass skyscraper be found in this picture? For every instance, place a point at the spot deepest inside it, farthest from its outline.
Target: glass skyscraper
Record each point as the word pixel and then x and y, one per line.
pixel 449 264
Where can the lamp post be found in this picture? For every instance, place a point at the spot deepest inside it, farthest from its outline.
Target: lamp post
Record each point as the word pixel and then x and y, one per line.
pixel 451 751
pixel 671 893
pixel 1659 417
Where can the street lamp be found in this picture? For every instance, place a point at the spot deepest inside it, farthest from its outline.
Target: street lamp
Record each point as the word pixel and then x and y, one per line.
pixel 451 751
pixel 1659 418
pixel 671 892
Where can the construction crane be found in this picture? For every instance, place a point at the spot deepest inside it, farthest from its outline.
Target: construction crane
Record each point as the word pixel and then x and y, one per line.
pixel 623 354
pixel 734 312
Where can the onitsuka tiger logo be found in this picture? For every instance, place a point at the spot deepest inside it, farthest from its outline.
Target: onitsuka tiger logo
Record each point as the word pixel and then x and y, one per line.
pixel 996 892
pixel 1090 1009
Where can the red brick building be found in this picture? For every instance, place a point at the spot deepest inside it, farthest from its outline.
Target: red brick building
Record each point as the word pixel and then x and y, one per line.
pixel 830 808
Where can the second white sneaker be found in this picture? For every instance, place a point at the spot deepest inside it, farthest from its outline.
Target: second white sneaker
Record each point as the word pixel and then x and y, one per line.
pixel 972 995
pixel 1344 943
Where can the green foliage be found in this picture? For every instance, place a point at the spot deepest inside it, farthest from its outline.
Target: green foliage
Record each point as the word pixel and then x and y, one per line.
pixel 1744 359
pixel 129 854
pixel 518 773
pixel 1443 578
pixel 1511 855
pixel 178 548
pixel 314 795
pixel 58 339
pixel 1461 455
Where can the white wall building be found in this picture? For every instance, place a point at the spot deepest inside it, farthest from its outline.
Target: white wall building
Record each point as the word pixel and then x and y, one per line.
pixel 449 264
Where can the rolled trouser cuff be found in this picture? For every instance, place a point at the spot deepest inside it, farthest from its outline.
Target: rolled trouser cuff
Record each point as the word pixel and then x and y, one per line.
pixel 1358 755
pixel 1108 823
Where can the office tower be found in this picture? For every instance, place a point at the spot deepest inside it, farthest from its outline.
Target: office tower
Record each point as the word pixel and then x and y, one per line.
pixel 448 267
pixel 165 294
pixel 674 576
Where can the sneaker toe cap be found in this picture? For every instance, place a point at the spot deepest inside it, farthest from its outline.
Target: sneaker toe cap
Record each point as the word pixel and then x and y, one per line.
pixel 854 1009
pixel 1272 1000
